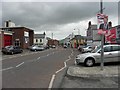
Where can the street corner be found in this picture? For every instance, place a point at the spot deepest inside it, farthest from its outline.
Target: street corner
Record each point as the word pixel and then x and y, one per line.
pixel 93 72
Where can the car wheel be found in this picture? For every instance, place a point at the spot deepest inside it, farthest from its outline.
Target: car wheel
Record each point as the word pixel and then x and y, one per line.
pixel 76 63
pixel 89 62
pixel 12 53
pixel 21 51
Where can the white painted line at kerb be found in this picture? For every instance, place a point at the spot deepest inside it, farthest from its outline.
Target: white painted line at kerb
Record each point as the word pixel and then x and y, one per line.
pixel 51 82
pixel 20 64
pixel 6 69
pixel 53 76
pixel 60 70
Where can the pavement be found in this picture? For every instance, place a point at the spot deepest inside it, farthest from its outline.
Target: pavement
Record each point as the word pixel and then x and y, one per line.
pixel 108 71
pixel 91 77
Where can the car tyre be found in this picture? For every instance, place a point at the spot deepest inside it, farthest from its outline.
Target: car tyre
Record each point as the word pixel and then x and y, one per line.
pixel 12 53
pixel 89 62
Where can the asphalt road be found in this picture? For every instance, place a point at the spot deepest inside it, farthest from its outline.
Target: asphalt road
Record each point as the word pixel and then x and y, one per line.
pixel 36 69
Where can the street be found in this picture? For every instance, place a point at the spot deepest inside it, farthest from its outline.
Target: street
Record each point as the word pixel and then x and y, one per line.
pixel 35 70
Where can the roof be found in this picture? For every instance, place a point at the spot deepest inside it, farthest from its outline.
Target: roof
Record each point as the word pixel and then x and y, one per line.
pixel 15 28
pixel 39 35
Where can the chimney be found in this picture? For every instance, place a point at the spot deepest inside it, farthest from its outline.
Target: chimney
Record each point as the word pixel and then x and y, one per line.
pixel 44 33
pixel 89 24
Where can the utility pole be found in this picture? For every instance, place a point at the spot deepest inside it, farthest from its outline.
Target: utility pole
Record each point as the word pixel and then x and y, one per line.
pixel 102 39
pixel 52 35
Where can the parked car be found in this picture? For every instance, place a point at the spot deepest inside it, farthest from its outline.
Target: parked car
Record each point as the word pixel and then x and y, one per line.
pixel 53 46
pixel 36 48
pixel 11 50
pixel 47 47
pixel 65 46
pixel 111 54
pixel 81 47
pixel 87 49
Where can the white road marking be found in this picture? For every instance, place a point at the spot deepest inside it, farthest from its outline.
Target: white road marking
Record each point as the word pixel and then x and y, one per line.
pixel 53 76
pixel 6 69
pixel 38 58
pixel 20 64
pixel 12 57
pixel 51 82
pixel 65 65
pixel 60 70
pixel 48 54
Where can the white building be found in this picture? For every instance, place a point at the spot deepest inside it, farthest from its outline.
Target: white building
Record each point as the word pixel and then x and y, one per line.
pixel 67 39
pixel 40 39
pixel 9 24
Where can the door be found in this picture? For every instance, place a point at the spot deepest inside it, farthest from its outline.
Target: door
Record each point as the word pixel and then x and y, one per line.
pixel 115 52
pixel 7 40
pixel 108 55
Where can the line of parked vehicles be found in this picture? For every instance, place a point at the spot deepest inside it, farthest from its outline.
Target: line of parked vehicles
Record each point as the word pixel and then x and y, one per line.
pixel 92 55
pixel 16 49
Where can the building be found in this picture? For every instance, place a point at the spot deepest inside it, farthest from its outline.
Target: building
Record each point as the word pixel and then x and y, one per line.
pixel 18 36
pixel 93 38
pixel 53 42
pixel 78 40
pixel 40 39
pixel 5 38
pixel 66 41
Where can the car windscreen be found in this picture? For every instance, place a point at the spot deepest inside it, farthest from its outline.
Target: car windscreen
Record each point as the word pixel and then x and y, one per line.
pixel 96 49
pixel 8 47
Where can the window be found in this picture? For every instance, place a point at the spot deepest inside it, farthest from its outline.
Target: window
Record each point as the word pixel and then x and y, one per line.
pixel 36 40
pixel 40 40
pixel 107 49
pixel 115 48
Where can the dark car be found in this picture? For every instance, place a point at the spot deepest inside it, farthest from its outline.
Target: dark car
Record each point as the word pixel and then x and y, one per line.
pixel 11 50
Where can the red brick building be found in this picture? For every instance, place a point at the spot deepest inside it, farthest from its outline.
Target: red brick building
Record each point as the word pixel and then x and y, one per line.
pixel 17 36
pixel 53 42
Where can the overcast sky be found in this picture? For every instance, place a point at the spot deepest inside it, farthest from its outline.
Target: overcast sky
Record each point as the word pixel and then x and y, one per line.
pixel 59 18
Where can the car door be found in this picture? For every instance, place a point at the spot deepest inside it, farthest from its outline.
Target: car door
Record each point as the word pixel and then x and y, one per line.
pixel 108 55
pixel 115 53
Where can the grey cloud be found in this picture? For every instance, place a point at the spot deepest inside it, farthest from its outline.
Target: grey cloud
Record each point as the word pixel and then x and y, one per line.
pixel 39 15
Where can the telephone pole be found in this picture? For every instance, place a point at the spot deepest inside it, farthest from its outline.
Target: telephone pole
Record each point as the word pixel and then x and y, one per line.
pixel 52 35
pixel 102 39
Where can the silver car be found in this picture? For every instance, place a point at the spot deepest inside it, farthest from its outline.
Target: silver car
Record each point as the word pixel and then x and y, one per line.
pixel 36 48
pixel 111 54
pixel 87 49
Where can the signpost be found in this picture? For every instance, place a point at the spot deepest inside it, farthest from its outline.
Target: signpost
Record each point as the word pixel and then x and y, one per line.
pixel 102 34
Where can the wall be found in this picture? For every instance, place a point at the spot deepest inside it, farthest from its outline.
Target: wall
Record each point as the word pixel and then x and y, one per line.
pixel 25 41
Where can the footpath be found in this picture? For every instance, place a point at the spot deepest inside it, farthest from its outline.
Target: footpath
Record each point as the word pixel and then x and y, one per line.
pixel 91 77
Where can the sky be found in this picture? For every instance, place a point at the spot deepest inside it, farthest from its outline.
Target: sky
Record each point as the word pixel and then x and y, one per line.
pixel 59 18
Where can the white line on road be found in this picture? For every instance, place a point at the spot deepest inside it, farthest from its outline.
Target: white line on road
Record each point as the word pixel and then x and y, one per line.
pixel 6 69
pixel 38 58
pixel 51 82
pixel 20 64
pixel 53 76
pixel 48 54
pixel 60 70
